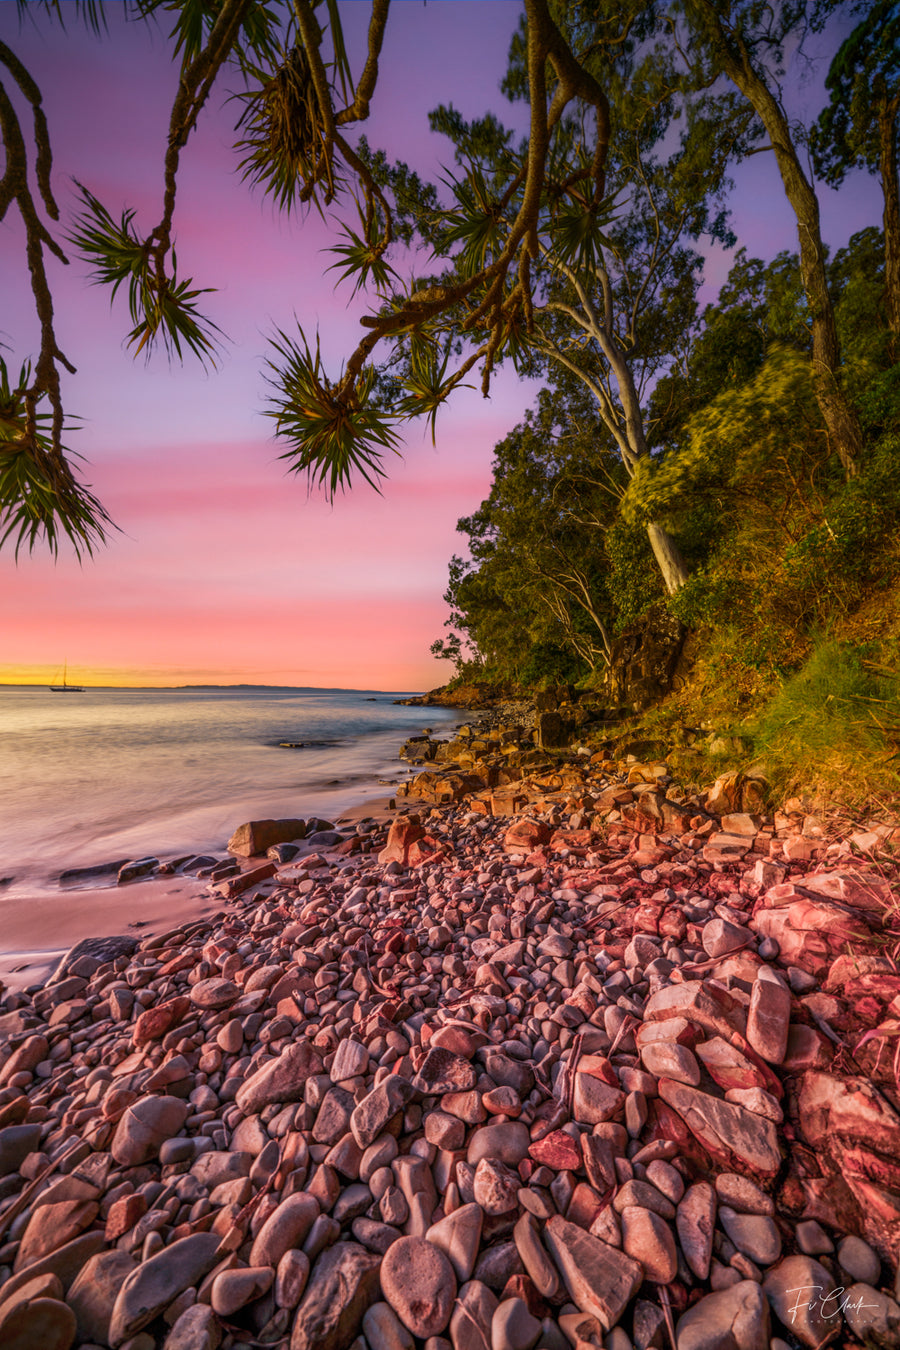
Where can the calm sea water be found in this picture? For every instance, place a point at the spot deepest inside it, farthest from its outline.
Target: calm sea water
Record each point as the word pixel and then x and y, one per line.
pixel 112 773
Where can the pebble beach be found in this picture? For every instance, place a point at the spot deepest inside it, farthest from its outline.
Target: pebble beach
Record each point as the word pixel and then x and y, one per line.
pixel 470 1077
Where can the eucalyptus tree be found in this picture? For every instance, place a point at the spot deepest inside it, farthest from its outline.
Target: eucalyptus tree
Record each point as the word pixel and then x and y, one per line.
pixel 858 129
pixel 612 283
pixel 745 41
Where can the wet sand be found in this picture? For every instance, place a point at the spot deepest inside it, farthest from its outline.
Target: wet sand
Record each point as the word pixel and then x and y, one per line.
pixel 35 932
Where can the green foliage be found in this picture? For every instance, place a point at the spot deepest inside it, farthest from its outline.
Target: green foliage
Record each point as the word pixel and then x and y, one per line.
pixel 840 711
pixel 161 306
pixel 334 432
pixel 362 257
pixel 547 665
pixel 862 82
pixel 634 581
pixel 40 499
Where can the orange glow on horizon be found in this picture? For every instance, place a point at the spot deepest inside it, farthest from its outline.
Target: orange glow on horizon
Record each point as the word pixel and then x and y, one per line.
pixel 41 677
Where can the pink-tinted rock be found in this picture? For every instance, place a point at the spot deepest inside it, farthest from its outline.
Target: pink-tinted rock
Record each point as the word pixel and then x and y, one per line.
pixel 154 1023
pixel 233 1289
pixel 155 1283
pixel 600 1279
pixel 734 1137
pixel 418 1282
pixel 197 1328
pixel 443 1071
pixel 806 1048
pixel 798 1290
pixel 287 1226
pixel 557 1150
pixel 214 993
pixel 648 1238
pixel 27 1057
pixel 525 835
pixel 850 1108
pixel 51 1226
pixel 146 1125
pixel 404 832
pixel 95 1290
pixel 280 1080
pixel 244 880
pixel 769 1017
pixel 255 836
pixel 458 1236
pixel 459 1040
pixel 668 1059
pixel 809 933
pixel 496 1187
pixel 737 1317
pixel 699 1002
pixel 594 1101
pixel 727 1066
pixel 755 1099
pixel 41 1322
pixel 695 1222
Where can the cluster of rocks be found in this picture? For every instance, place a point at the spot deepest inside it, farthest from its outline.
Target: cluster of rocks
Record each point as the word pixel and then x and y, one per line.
pixel 615 1071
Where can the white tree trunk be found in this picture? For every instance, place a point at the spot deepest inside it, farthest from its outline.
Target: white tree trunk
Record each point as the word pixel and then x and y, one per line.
pixel 669 560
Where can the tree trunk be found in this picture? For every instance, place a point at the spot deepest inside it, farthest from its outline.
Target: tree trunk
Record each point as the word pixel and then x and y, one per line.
pixel 838 414
pixel 890 186
pixel 668 558
pixel 672 566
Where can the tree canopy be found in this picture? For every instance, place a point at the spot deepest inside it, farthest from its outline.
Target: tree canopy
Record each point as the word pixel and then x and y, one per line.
pixel 575 253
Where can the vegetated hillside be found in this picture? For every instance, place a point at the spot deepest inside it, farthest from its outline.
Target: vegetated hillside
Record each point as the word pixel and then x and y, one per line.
pixel 784 638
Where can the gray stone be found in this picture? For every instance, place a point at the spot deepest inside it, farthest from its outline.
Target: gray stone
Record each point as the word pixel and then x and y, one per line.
pixel 507 1143
pixel 600 1279
pixel 458 1236
pixel 470 1323
pixel 873 1317
pixel 145 1126
pixel 16 1142
pixel 155 1283
pixel 859 1260
pixel 91 953
pixel 343 1284
pixel 94 1292
pixel 801 1294
pixel 753 1234
pixel 695 1222
pixel 197 1328
pixel 513 1327
pixel 383 1103
pixel 733 1319
pixel 383 1329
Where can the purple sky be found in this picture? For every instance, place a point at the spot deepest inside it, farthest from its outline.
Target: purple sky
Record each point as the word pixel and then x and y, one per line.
pixel 226 570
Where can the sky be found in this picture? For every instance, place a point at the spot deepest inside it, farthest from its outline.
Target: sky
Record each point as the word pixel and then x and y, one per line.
pixel 224 569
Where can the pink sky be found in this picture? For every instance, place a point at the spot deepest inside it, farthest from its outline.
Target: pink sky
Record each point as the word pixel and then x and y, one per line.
pixel 226 570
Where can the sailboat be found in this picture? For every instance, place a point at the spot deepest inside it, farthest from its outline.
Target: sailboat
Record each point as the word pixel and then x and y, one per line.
pixel 66 688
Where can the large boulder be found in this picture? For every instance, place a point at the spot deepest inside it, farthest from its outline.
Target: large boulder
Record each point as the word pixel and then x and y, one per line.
pixel 255 836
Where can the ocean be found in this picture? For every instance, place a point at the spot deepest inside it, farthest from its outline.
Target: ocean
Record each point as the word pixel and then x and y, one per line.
pixel 91 777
